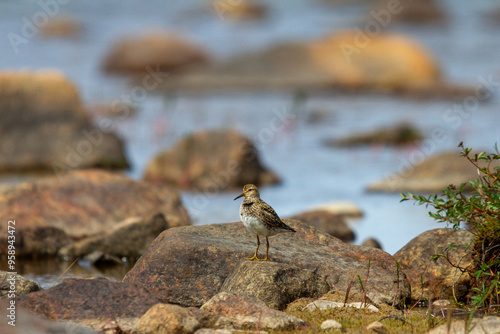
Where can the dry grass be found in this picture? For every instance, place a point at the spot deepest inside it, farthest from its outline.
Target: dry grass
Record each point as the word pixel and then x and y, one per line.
pixel 353 320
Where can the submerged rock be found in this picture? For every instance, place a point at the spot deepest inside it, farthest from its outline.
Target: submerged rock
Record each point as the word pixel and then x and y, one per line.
pixel 429 174
pixel 437 280
pixel 189 265
pixel 210 161
pixel 64 26
pixel 400 134
pixel 343 209
pixel 419 12
pixel 157 51
pixel 44 126
pixel 239 10
pixel 51 212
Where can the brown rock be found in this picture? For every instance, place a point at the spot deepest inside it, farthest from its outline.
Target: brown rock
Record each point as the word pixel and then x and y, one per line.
pixel 249 313
pixel 17 283
pixel 440 279
pixel 332 224
pixel 168 319
pixel 210 161
pixel 195 261
pixel 399 134
pixel 422 11
pixel 129 238
pixel 61 26
pixel 28 323
pixel 80 204
pixel 154 50
pixel 431 174
pixel 97 303
pixel 275 284
pixel 37 241
pixel 239 10
pixel 44 126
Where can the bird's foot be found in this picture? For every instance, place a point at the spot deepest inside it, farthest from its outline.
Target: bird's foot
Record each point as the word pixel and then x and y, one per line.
pixel 254 258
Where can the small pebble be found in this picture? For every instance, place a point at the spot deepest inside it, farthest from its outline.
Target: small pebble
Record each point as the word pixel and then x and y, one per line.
pixel 377 327
pixel 331 324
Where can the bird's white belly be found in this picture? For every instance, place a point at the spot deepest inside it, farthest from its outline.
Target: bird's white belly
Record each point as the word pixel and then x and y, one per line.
pixel 254 225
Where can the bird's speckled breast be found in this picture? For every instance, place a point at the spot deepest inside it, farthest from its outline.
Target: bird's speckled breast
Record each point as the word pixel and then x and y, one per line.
pixel 254 225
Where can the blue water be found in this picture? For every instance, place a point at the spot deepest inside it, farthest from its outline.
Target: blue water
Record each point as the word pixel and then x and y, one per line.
pixel 466 46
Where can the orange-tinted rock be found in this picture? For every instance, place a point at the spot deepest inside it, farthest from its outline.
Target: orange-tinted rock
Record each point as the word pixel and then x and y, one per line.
pixel 384 61
pixel 348 60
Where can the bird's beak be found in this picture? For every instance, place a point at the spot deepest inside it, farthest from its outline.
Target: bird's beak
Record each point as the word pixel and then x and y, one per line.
pixel 240 195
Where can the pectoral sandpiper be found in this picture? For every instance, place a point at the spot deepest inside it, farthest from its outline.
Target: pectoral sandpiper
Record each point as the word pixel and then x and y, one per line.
pixel 260 218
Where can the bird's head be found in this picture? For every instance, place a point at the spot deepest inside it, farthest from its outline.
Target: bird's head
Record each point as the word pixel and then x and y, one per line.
pixel 249 190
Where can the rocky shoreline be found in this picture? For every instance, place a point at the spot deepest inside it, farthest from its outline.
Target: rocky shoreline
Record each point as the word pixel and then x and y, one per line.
pixel 195 279
pixel 191 279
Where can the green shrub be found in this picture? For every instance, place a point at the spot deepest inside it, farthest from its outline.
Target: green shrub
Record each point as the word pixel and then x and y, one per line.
pixel 474 205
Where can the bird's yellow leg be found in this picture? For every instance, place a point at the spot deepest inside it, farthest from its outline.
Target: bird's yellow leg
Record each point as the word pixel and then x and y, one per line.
pixel 256 251
pixel 267 250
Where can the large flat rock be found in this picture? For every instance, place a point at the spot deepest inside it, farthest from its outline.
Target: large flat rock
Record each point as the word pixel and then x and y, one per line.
pixel 189 265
